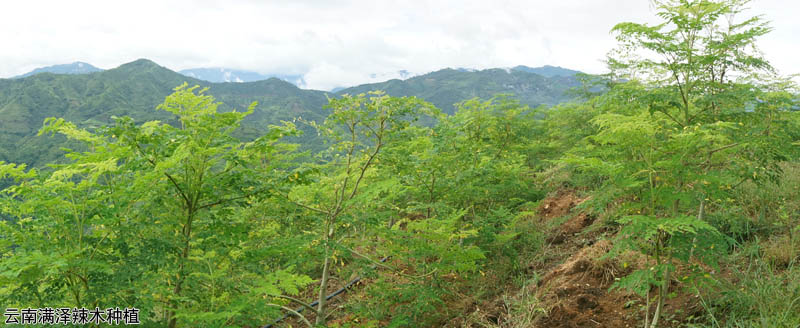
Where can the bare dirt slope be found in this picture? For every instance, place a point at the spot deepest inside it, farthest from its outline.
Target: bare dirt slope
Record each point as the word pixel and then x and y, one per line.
pixel 575 290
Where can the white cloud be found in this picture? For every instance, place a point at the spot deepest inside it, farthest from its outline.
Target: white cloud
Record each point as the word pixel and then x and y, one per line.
pixel 338 42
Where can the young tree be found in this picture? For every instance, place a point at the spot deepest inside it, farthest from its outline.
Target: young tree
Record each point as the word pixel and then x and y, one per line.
pixel 202 181
pixel 695 118
pixel 454 187
pixel 359 127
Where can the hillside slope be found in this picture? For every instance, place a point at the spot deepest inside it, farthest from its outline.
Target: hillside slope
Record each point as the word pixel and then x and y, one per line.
pixel 446 87
pixel 134 89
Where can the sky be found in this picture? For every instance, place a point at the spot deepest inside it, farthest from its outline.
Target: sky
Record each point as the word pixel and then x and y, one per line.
pixel 340 42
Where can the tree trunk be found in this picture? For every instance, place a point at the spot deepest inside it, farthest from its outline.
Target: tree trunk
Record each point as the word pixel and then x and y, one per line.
pixel 187 233
pixel 323 287
pixel 662 295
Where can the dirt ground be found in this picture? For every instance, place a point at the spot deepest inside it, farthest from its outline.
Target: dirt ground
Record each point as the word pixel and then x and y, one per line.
pixel 576 291
pixel 574 288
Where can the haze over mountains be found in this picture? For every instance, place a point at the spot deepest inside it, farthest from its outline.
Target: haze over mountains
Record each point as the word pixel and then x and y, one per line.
pixel 223 75
pixel 134 89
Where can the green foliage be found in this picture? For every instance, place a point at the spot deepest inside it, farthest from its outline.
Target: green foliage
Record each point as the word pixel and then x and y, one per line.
pixel 762 297
pixel 446 196
pixel 358 128
pixel 153 216
pixel 202 221
pixel 688 151
pixel 693 122
pixel 435 251
pixel 133 89
pixel 680 238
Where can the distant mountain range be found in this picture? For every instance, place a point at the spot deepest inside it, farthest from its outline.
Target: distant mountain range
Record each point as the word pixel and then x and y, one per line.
pixel 222 75
pixel 547 71
pixel 446 87
pixel 134 89
pixel 225 75
pixel 74 68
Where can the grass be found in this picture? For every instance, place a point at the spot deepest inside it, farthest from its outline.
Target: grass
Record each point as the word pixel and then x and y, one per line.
pixel 761 286
pixel 757 293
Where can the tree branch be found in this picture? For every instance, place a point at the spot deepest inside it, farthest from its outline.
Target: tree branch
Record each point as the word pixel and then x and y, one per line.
pixel 369 161
pixel 225 201
pixel 671 117
pixel 711 152
pixel 302 318
pixel 304 304
pixel 174 183
pixel 303 205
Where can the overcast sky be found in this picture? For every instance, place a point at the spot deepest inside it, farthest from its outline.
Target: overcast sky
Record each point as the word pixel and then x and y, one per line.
pixel 339 42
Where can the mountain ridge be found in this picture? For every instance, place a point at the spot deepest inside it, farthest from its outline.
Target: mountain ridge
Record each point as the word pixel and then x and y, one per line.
pixel 136 88
pixel 77 67
pixel 223 75
pixel 228 75
pixel 530 88
pixel 547 70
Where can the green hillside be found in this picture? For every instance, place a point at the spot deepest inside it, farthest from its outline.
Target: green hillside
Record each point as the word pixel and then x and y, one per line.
pixel 134 89
pixel 446 87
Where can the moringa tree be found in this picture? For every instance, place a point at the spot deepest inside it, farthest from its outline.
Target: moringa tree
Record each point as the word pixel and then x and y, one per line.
pixel 697 114
pixel 359 127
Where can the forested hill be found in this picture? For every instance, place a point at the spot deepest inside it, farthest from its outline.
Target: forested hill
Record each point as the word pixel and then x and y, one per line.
pixel 73 68
pixel 446 87
pixel 134 89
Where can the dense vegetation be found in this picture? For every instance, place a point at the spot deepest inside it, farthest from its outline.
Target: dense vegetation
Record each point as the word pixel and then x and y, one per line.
pixel 133 89
pixel 684 160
